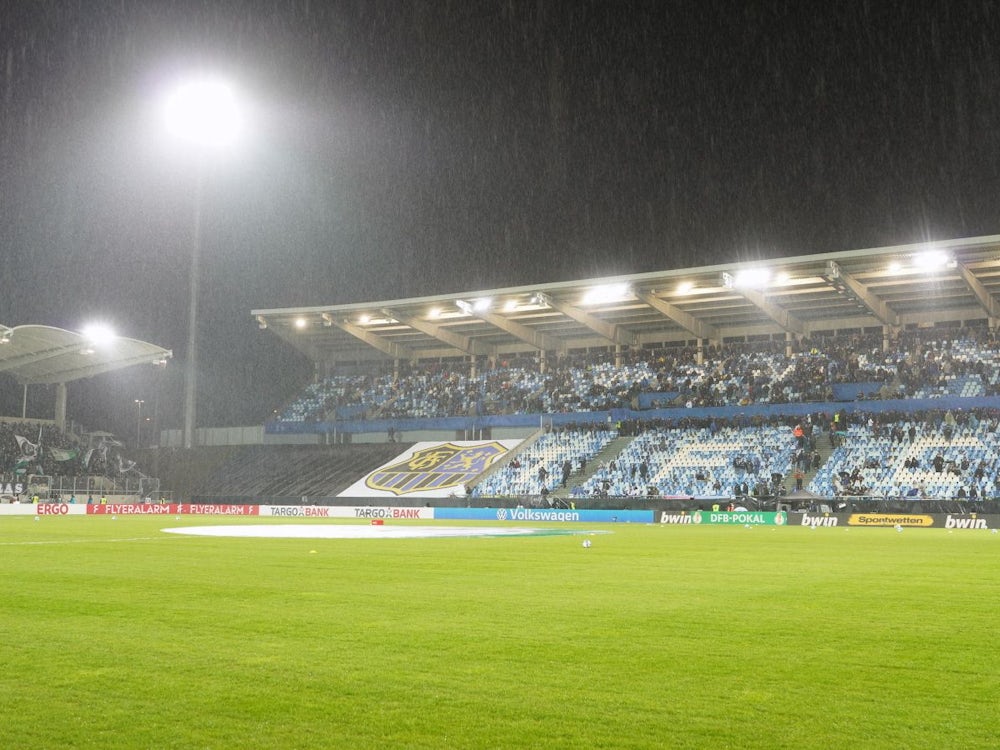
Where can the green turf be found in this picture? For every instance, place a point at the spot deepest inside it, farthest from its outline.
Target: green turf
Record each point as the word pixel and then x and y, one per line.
pixel 118 635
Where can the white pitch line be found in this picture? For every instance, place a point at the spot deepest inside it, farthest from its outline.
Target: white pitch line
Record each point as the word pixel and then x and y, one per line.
pixel 82 541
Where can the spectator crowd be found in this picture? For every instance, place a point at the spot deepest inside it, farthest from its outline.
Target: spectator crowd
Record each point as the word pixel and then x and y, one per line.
pixel 923 363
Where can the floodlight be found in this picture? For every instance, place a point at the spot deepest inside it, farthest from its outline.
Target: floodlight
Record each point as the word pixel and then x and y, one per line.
pixel 931 260
pixel 604 293
pixel 98 334
pixel 204 112
pixel 752 277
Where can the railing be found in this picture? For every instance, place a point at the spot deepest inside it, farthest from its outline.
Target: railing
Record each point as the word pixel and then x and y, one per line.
pixel 53 487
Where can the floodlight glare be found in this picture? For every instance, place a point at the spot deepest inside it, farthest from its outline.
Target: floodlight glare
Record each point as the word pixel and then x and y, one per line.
pixel 204 112
pixel 752 277
pixel 98 334
pixel 931 260
pixel 605 293
pixel 482 305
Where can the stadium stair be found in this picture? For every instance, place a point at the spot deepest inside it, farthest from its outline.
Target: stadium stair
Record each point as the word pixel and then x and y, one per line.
pixel 611 451
pixel 381 409
pixel 825 450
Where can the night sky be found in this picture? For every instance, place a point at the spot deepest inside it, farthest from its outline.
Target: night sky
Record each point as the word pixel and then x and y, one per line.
pixel 412 148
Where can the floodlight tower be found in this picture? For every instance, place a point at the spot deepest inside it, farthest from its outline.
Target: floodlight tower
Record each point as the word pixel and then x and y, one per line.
pixel 204 115
pixel 138 422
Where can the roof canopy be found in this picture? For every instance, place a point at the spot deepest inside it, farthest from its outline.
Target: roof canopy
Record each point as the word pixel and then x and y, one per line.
pixel 42 354
pixel 894 287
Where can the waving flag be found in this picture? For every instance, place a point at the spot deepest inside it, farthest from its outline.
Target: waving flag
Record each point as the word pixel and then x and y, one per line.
pixel 62 454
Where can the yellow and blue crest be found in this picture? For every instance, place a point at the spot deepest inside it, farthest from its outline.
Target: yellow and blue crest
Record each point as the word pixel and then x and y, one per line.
pixel 438 467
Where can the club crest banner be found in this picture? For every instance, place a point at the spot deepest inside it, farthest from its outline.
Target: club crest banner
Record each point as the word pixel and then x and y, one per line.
pixel 432 469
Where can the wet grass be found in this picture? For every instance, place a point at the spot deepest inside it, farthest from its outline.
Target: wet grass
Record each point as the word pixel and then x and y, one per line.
pixel 118 635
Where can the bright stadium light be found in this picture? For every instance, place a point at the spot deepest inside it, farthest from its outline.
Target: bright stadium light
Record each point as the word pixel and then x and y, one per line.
pixel 931 260
pixel 204 113
pixel 752 278
pixel 98 334
pixel 605 293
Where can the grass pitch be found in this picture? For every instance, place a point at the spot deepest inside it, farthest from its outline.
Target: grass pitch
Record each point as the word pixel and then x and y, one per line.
pixel 118 635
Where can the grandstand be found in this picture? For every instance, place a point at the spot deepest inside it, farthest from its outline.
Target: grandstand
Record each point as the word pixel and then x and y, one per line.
pixel 48 458
pixel 682 385
pixel 905 328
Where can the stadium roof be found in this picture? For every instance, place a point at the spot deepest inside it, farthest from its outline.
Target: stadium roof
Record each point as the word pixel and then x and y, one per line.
pixel 35 354
pixel 902 286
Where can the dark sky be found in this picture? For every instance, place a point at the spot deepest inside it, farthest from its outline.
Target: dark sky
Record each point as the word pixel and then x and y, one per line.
pixel 414 148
